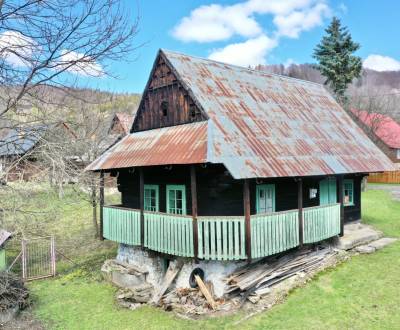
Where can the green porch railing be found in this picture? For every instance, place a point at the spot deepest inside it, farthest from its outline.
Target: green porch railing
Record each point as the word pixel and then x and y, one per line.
pixel 169 233
pixel 321 222
pixel 121 225
pixel 272 233
pixel 221 238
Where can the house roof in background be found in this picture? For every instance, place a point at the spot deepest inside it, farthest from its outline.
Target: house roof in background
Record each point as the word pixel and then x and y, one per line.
pixel 183 144
pixel 263 125
pixel 383 126
pixel 125 119
pixel 18 141
pixel 4 236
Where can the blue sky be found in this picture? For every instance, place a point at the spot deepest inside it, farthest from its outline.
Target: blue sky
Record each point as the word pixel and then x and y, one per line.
pixel 253 31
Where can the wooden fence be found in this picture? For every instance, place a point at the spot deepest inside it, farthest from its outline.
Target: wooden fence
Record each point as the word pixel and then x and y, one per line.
pixel 321 222
pixel 169 233
pixel 221 238
pixel 385 177
pixel 121 225
pixel 274 232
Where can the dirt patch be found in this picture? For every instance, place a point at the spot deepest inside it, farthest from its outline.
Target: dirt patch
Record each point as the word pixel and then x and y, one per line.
pixel 24 321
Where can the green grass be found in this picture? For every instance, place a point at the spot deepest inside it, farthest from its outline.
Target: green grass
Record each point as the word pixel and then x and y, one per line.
pixel 362 293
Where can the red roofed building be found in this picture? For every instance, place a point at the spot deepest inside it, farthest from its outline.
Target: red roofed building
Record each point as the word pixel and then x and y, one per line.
pixel 385 130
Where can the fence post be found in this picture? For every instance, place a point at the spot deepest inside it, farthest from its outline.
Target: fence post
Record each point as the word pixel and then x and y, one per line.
pixel 141 192
pixel 246 206
pixel 300 208
pixel 53 255
pixel 101 204
pixel 193 190
pixel 23 248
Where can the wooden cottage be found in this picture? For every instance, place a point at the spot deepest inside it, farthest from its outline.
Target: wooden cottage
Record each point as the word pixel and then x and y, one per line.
pixel 227 163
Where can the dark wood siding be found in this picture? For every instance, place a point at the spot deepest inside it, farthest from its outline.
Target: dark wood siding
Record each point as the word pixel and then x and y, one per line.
pixel 219 194
pixel 163 87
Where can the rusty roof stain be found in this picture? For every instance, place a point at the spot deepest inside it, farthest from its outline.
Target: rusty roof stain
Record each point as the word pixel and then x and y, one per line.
pixel 262 125
pixel 183 144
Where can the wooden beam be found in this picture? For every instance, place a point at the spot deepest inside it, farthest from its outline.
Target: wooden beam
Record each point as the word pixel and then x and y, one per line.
pixel 101 197
pixel 193 189
pixel 141 193
pixel 300 208
pixel 246 206
pixel 340 199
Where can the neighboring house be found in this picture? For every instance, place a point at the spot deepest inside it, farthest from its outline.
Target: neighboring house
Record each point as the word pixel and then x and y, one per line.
pixel 4 237
pixel 17 160
pixel 121 123
pixel 229 163
pixel 385 132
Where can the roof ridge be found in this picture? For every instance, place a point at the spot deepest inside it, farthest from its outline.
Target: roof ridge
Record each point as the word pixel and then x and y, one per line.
pixel 166 51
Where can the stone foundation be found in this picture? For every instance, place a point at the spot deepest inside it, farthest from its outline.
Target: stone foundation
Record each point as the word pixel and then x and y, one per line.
pixel 214 271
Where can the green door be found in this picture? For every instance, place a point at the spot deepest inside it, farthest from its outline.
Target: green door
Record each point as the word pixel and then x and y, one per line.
pixel 327 191
pixel 265 201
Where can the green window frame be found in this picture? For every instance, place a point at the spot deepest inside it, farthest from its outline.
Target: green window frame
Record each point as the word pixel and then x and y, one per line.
pixel 261 191
pixel 348 192
pixel 151 197
pixel 327 191
pixel 176 199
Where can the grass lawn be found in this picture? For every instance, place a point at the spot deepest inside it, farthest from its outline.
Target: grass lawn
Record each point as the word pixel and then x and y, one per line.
pixel 363 293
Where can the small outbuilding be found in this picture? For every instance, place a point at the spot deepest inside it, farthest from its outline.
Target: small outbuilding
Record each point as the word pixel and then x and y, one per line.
pixel 228 163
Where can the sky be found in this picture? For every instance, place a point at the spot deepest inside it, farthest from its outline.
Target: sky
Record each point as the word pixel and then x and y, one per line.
pixel 251 32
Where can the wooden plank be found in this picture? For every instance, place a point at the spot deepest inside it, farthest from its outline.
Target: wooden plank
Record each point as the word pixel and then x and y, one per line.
pixel 300 208
pixel 340 199
pixel 172 271
pixel 101 197
pixel 193 189
pixel 246 207
pixel 141 192
pixel 205 292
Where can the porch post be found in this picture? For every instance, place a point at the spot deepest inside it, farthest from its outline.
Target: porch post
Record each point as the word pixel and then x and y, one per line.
pixel 193 189
pixel 246 206
pixel 340 188
pixel 141 192
pixel 300 208
pixel 101 197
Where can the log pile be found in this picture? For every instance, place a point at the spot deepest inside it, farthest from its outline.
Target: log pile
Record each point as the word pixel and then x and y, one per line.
pixel 12 292
pixel 256 280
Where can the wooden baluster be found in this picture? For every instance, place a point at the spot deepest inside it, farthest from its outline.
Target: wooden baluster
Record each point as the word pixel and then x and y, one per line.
pixel 246 206
pixel 300 208
pixel 101 195
pixel 193 189
pixel 341 192
pixel 141 192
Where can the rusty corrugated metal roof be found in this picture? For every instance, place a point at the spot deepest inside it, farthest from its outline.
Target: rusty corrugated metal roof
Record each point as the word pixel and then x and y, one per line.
pixel 260 125
pixel 183 144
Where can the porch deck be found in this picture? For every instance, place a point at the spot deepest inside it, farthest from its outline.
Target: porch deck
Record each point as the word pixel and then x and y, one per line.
pixel 218 237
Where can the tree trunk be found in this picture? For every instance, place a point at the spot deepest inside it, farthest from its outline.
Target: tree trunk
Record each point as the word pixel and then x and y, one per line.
pixel 94 209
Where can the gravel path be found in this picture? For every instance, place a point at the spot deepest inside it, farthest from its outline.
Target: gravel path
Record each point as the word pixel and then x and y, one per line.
pixel 394 189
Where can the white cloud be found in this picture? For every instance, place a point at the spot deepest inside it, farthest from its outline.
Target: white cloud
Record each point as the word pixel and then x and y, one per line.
pixel 343 8
pixel 381 63
pixel 85 65
pixel 250 52
pixel 289 62
pixel 16 48
pixel 215 23
pixel 211 23
pixel 293 24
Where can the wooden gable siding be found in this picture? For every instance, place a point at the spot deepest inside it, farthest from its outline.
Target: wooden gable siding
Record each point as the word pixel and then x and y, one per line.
pixel 163 86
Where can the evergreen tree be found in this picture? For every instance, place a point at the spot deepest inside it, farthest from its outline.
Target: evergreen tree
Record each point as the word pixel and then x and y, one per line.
pixel 335 58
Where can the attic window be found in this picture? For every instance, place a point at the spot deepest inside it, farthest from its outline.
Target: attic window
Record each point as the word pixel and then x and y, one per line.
pixel 164 108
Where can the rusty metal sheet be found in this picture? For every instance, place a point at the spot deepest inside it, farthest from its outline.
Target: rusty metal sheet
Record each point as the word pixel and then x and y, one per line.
pixel 183 144
pixel 265 125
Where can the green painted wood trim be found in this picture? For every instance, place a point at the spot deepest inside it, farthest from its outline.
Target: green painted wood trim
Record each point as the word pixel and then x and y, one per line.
pixel 121 225
pixel 169 233
pixel 272 233
pixel 156 188
pixel 221 238
pixel 327 191
pixel 181 188
pixel 350 185
pixel 321 223
pixel 3 262
pixel 265 186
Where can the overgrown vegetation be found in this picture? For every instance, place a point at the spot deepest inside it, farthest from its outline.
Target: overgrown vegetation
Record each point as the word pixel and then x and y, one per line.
pixel 354 295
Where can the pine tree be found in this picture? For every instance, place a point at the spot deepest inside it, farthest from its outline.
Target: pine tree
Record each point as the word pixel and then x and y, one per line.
pixel 336 60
